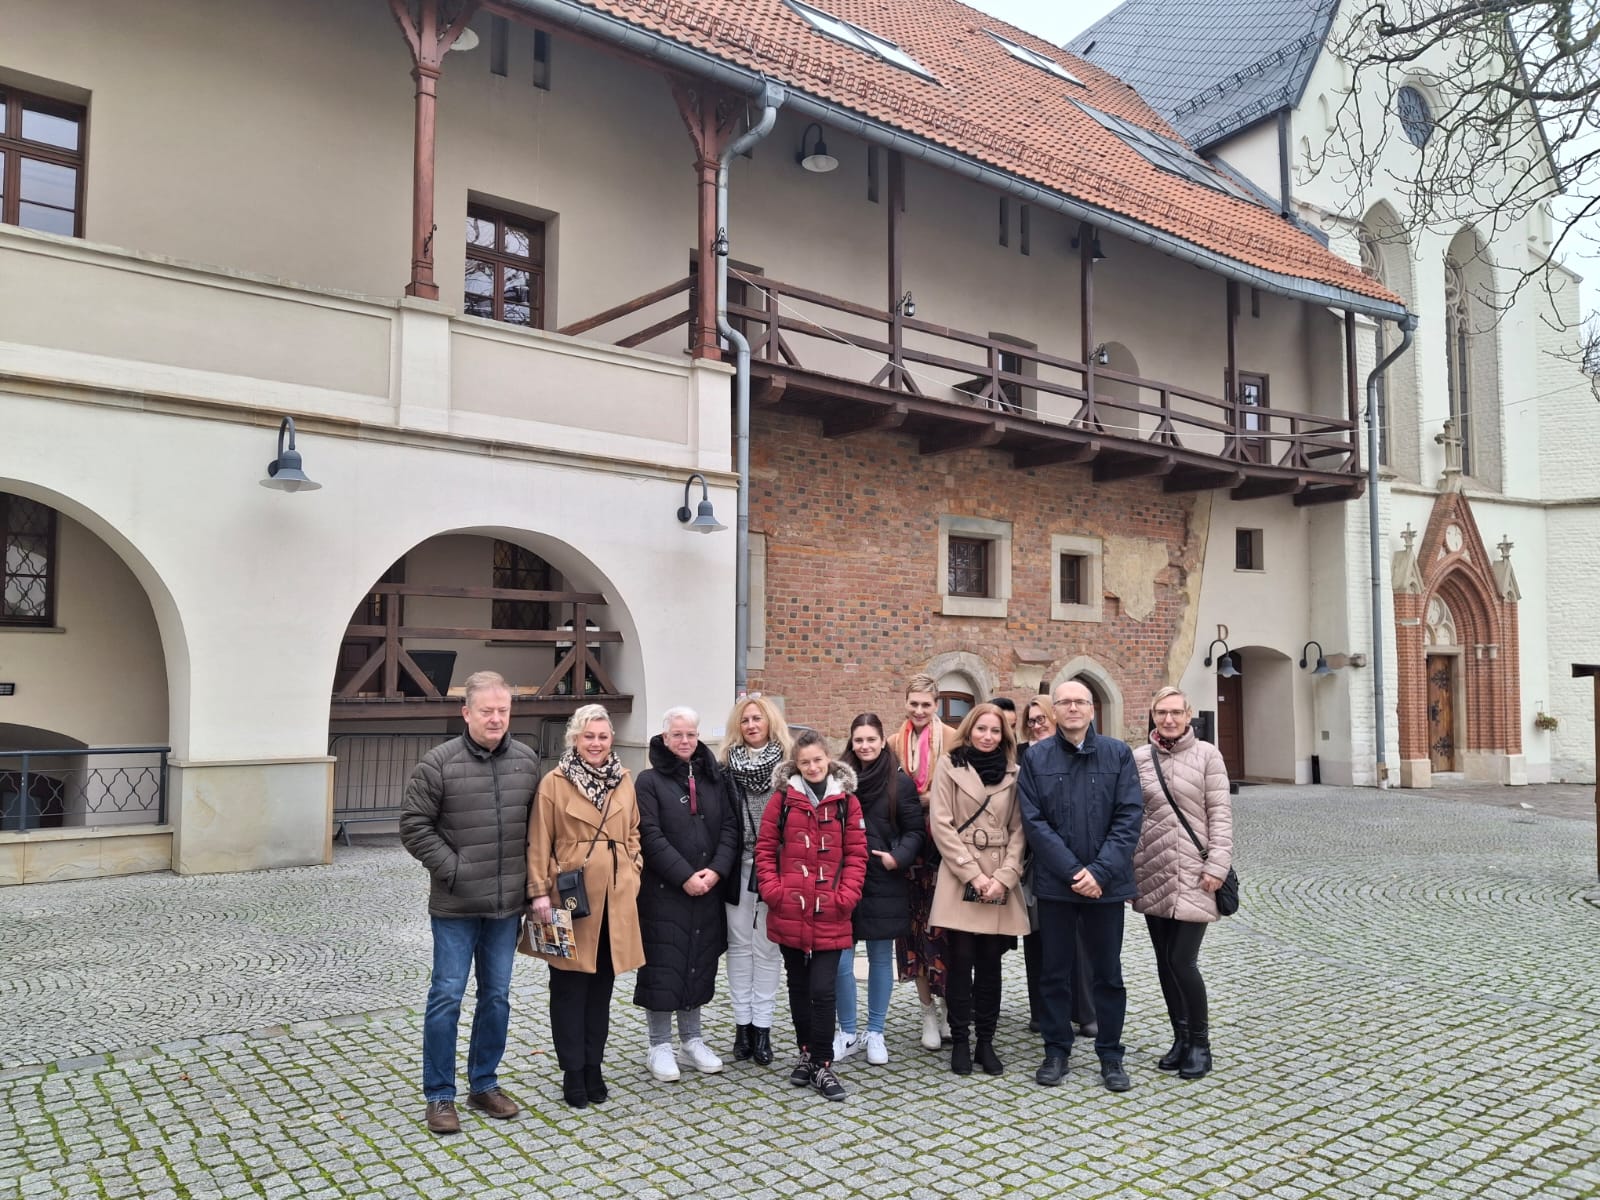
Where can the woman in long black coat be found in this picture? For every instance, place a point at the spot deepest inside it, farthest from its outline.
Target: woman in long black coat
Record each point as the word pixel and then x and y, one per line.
pixel 894 819
pixel 689 838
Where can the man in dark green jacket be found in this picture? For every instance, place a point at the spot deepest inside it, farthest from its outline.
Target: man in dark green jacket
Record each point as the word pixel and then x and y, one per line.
pixel 1082 809
pixel 465 818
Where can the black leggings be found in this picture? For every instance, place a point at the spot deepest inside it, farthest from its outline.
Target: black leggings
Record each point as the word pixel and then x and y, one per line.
pixel 580 1008
pixel 972 982
pixel 1177 946
pixel 811 984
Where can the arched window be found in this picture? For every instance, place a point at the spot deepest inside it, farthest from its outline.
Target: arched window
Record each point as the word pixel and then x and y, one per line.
pixel 1458 361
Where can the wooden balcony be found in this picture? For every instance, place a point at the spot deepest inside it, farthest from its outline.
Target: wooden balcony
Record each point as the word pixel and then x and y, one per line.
pixel 389 683
pixel 859 368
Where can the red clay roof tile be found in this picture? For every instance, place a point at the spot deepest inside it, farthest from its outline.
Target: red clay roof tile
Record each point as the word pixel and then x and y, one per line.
pixel 991 107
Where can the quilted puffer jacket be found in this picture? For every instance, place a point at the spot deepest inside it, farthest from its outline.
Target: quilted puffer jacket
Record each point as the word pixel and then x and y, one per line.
pixel 465 818
pixel 811 860
pixel 1166 866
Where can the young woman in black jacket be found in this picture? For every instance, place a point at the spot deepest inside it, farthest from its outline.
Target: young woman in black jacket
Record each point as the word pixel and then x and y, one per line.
pixel 894 820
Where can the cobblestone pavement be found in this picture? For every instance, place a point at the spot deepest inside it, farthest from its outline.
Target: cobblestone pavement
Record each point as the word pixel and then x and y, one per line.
pixel 1405 1006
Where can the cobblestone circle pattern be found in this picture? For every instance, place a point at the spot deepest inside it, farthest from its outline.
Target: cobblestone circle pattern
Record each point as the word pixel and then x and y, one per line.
pixel 1406 1005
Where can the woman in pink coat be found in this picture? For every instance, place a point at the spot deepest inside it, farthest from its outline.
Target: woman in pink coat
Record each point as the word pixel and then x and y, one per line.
pixel 1177 885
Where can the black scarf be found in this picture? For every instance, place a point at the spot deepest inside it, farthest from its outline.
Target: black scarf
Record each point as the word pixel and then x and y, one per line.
pixel 874 781
pixel 990 765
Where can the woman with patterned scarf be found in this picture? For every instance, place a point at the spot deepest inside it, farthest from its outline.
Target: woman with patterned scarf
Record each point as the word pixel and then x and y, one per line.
pixel 756 741
pixel 586 818
pixel 919 744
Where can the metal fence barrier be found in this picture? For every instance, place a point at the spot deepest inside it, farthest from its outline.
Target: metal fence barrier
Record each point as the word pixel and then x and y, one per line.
pixel 370 773
pixel 100 785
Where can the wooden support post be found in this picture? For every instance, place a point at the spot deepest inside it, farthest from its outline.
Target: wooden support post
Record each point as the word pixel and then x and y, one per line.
pixel 897 200
pixel 1231 382
pixel 708 116
pixel 428 47
pixel 1086 318
pixel 1579 670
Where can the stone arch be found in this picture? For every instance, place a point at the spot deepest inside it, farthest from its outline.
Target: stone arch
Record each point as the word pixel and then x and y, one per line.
pixel 1110 715
pixel 1386 255
pixel 1121 359
pixel 1472 355
pixel 1458 578
pixel 963 672
pixel 174 649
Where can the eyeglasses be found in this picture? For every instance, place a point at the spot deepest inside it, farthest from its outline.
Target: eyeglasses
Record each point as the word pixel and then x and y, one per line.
pixel 1074 703
pixel 1039 720
pixel 1171 712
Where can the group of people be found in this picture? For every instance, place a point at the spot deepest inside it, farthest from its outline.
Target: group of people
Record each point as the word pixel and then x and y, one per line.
pixel 935 847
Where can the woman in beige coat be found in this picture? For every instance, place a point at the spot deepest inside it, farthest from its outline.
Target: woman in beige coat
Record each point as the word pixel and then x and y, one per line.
pixel 586 817
pixel 974 820
pixel 1177 886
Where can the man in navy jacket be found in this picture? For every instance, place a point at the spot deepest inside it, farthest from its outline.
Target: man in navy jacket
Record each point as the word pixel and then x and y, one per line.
pixel 1081 808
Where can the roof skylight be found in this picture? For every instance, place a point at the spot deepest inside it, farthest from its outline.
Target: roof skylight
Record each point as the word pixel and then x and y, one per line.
pixel 854 35
pixel 1034 59
pixel 1169 155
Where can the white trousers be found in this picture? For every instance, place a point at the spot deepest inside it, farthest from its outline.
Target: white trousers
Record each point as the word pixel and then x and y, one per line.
pixel 755 964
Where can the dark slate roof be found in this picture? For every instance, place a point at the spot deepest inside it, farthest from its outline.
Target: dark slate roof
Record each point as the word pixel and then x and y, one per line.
pixel 1211 67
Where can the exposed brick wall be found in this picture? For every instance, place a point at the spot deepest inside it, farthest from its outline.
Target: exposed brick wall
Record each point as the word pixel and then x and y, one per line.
pixel 852 529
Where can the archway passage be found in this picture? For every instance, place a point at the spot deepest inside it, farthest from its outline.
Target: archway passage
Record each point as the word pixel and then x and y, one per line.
pixel 84 725
pixel 513 602
pixel 1456 641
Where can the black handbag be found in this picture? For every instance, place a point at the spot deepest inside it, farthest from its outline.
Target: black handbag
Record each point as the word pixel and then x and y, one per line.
pixel 1227 895
pixel 571 890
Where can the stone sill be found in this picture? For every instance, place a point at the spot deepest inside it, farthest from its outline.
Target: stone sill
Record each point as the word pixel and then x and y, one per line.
pixel 74 832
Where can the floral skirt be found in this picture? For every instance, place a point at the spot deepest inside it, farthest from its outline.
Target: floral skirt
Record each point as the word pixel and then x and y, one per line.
pixel 922 950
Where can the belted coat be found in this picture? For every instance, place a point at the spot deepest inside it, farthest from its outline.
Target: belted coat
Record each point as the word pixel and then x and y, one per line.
pixel 563 824
pixel 993 844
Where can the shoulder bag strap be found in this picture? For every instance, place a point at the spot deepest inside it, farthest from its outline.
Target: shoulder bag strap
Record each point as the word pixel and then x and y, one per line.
pixel 982 808
pixel 1155 761
pixel 599 829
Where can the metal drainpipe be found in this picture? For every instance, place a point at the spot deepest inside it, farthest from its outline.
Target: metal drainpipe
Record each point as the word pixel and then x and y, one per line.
pixel 773 97
pixel 1408 326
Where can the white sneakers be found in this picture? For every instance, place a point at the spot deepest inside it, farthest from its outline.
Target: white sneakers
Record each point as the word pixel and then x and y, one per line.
pixel 663 1062
pixel 877 1052
pixel 845 1044
pixel 700 1057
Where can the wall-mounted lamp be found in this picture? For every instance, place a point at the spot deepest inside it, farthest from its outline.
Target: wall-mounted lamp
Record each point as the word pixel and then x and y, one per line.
pixel 817 159
pixel 1322 667
pixel 284 473
pixel 465 40
pixel 1226 668
pixel 703 521
pixel 1095 252
pixel 907 306
pixel 1101 354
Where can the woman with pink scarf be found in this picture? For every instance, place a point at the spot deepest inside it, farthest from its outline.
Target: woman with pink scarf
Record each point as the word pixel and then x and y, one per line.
pixel 919 744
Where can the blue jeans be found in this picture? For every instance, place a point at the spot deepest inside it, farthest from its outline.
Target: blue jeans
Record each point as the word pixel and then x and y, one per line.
pixel 880 983
pixel 460 943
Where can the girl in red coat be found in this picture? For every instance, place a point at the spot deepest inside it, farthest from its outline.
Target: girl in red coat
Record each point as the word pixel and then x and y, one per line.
pixel 811 859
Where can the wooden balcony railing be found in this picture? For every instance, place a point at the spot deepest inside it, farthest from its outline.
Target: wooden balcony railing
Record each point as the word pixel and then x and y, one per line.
pixel 391 683
pixel 807 345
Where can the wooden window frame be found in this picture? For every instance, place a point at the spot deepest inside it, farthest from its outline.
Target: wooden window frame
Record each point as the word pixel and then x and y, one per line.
pixel 47 619
pixel 998 535
pixel 944 702
pixel 501 261
pixel 519 614
pixel 985 588
pixel 1089 605
pixel 13 147
pixel 1249 550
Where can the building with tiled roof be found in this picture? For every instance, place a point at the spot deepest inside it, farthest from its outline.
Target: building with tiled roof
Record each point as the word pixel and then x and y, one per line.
pixel 1486 428
pixel 1019 363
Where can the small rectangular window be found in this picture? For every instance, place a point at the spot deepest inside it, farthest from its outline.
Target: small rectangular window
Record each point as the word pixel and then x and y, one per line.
pixel 969 567
pixel 541 60
pixel 1074 578
pixel 872 174
pixel 1005 221
pixel 27 562
pixel 41 163
pixel 1248 550
pixel 521 569
pixel 499 45
pixel 861 39
pixel 505 267
pixel 1025 229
